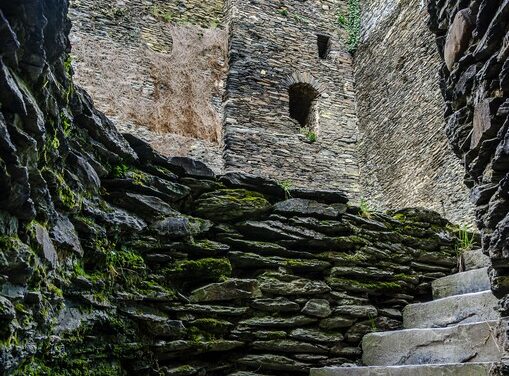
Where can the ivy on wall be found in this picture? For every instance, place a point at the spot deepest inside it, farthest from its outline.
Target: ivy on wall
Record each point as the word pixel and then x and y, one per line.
pixel 352 23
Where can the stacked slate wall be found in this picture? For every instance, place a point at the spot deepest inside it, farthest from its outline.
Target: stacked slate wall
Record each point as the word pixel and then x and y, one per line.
pixel 273 45
pixel 117 49
pixel 473 41
pixel 115 260
pixel 404 153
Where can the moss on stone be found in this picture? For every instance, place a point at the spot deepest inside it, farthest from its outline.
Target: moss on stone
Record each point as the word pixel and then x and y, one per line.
pixel 213 326
pixel 207 269
pixel 231 204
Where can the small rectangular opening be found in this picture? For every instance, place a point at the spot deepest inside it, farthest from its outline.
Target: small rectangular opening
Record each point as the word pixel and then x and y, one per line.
pixel 323 42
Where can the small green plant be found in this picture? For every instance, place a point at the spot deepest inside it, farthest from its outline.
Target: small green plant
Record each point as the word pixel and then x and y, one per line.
pixel 214 23
pixel 342 21
pixel 120 171
pixel 66 124
pixel 311 136
pixel 283 12
pixel 286 185
pixel 372 323
pixel 465 239
pixel 365 209
pixel 124 265
pixel 163 15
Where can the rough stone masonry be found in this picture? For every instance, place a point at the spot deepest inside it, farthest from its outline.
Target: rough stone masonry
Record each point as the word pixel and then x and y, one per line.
pixel 116 260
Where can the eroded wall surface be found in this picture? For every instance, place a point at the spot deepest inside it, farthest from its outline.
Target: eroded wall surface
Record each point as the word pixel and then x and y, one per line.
pixel 404 154
pixel 123 54
pixel 273 45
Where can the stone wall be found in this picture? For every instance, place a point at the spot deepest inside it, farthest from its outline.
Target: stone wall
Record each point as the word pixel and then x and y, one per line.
pixel 120 48
pixel 404 153
pixel 473 40
pixel 116 260
pixel 273 45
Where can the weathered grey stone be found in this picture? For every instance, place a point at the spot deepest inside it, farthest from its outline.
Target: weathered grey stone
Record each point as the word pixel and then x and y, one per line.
pixel 452 310
pixel 231 204
pixel 317 307
pixel 302 207
pixel 279 304
pixel 278 322
pixel 476 342
pixel 315 335
pixel 191 167
pixel 48 249
pixel 365 272
pixel 461 283
pixel 289 346
pixel 229 290
pixel 298 286
pixel 208 309
pixel 466 369
pixel 475 259
pixel 273 362
pixel 356 310
pixel 336 323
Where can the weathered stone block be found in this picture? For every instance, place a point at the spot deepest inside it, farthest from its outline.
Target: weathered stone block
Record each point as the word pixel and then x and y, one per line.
pixel 458 37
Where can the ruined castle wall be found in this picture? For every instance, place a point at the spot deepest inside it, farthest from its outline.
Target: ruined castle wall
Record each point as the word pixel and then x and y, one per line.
pixel 120 51
pixel 404 154
pixel 273 45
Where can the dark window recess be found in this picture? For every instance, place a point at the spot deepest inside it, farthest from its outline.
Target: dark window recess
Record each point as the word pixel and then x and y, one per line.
pixel 302 102
pixel 323 42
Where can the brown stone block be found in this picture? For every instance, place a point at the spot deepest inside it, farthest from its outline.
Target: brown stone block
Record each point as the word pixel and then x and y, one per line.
pixel 458 37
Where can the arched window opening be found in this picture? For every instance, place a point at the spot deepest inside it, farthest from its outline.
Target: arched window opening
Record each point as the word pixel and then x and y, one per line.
pixel 303 104
pixel 323 42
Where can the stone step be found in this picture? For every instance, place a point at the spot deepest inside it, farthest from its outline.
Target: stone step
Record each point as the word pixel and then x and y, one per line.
pixel 461 283
pixel 475 342
pixel 475 259
pixel 456 369
pixel 452 310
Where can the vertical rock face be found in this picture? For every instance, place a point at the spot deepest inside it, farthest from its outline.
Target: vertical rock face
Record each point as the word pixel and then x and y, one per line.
pixel 404 154
pixel 472 37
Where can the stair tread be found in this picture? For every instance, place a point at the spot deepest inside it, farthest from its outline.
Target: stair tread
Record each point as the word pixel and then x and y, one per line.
pixel 475 342
pixel 450 369
pixel 452 310
pixel 476 280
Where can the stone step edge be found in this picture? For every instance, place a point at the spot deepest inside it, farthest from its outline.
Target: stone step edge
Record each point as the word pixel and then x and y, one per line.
pixel 437 302
pixel 411 369
pixel 457 276
pixel 430 341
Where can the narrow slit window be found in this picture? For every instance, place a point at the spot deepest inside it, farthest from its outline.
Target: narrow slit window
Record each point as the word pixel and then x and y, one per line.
pixel 323 42
pixel 302 102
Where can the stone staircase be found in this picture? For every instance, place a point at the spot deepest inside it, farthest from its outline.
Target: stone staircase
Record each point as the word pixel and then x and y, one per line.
pixel 458 333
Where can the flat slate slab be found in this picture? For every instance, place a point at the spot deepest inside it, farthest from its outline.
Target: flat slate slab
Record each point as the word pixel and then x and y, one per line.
pixel 461 283
pixel 458 369
pixel 476 342
pixel 452 310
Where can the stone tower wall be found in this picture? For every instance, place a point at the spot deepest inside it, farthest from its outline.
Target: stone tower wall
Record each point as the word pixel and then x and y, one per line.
pixel 273 45
pixel 404 154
